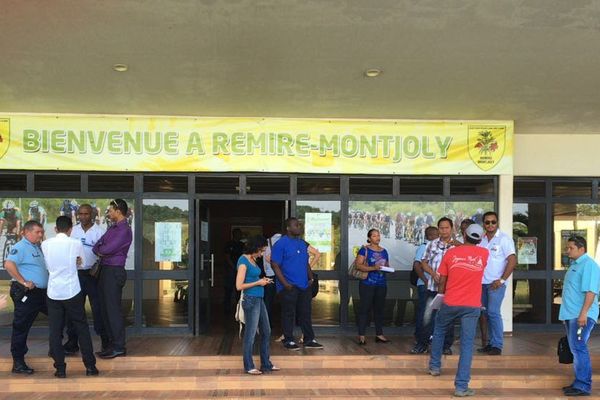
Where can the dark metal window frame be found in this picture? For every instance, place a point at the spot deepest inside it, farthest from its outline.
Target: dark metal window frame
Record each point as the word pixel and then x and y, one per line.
pixel 548 273
pixel 138 275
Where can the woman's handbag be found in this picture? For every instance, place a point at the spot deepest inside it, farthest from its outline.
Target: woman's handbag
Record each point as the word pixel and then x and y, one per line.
pixel 95 270
pixel 240 317
pixel 354 272
pixel 564 351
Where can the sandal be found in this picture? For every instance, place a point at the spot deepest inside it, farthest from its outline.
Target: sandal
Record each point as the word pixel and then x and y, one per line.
pixel 274 368
pixel 254 371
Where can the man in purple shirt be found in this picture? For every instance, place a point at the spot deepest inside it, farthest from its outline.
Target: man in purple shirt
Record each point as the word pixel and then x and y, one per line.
pixel 112 250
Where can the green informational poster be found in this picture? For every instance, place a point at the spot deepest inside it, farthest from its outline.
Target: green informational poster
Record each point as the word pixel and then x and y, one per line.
pixel 318 231
pixel 167 241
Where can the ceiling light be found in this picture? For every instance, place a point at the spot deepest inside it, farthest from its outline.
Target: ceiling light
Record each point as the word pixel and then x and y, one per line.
pixel 120 67
pixel 373 72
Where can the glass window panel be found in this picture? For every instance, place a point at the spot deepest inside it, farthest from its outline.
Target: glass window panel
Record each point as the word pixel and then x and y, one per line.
pixel 574 219
pixel 529 232
pixel 6 315
pixel 529 301
pixel 221 185
pixel 463 186
pixel 572 189
pixel 322 230
pixel 267 185
pixel 165 234
pixel 46 210
pixel 422 186
pixel 178 184
pixel 523 188
pixel 402 224
pixel 13 182
pixel 371 186
pixel 165 303
pixel 400 304
pixel 326 306
pixel 318 185
pixel 110 183
pixel 57 183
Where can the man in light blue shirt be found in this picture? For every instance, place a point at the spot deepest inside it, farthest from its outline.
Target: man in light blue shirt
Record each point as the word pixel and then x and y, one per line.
pixel 25 264
pixel 579 311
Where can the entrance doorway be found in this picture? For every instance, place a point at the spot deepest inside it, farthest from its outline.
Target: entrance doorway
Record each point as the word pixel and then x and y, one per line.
pixel 215 282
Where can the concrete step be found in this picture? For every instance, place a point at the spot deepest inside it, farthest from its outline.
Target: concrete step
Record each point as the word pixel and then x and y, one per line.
pixel 295 360
pixel 288 394
pixel 294 379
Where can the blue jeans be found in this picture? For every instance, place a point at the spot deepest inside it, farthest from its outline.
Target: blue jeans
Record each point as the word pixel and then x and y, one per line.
pixel 255 313
pixel 492 301
pixel 422 303
pixel 582 365
pixel 444 320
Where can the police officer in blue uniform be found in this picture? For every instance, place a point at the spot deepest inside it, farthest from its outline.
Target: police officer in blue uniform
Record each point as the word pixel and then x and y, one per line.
pixel 26 266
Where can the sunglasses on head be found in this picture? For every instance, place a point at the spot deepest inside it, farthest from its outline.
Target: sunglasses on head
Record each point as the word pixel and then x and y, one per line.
pixel 490 222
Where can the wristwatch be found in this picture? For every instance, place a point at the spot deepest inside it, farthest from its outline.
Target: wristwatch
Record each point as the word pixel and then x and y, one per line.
pixel 502 281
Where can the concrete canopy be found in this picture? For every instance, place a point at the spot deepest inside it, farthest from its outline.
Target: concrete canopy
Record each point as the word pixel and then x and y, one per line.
pixel 537 61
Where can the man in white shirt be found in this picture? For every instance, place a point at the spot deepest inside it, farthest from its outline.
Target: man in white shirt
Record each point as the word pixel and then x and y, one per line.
pixel 88 233
pixel 270 290
pixel 500 265
pixel 65 300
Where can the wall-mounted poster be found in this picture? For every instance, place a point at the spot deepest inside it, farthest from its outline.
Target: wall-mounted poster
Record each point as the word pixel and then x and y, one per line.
pixel 167 241
pixel 527 250
pixel 565 234
pixel 317 231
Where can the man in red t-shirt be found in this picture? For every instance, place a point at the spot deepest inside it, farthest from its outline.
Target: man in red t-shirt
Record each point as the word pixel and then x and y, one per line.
pixel 461 272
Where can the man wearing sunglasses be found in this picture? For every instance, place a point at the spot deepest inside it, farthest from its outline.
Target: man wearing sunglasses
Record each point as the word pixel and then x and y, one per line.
pixel 500 265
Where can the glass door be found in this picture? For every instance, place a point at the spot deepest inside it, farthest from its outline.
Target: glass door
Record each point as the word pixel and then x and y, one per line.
pixel 205 269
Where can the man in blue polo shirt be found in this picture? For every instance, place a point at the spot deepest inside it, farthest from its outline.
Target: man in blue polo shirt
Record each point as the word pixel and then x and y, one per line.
pixel 25 264
pixel 289 260
pixel 579 311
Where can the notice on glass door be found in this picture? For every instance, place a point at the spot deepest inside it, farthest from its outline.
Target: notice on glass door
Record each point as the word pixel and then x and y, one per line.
pixel 527 250
pixel 318 231
pixel 167 241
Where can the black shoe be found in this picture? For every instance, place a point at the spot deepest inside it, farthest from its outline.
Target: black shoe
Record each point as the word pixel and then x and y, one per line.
pixel 61 373
pixel 484 349
pixel 567 387
pixel 112 354
pixel 19 367
pixel 291 346
pixel 575 392
pixel 494 351
pixel 313 344
pixel 91 371
pixel 419 350
pixel 380 340
pixel 447 352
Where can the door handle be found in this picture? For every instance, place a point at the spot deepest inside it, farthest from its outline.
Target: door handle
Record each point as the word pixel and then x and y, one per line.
pixel 212 270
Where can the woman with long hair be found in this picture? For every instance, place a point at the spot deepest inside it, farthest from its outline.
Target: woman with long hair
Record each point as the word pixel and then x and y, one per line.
pixel 249 282
pixel 373 289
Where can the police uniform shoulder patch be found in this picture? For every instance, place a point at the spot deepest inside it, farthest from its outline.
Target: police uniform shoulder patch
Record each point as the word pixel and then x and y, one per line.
pixel 13 251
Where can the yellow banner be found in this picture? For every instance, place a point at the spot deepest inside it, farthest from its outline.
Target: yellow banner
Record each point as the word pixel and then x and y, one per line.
pixel 116 143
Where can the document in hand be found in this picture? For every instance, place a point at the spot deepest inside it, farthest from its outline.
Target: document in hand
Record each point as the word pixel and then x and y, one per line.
pixel 387 269
pixel 437 301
